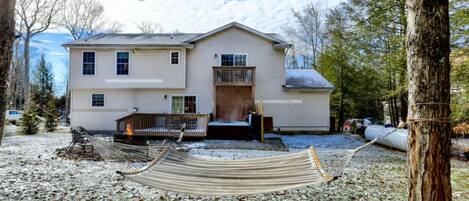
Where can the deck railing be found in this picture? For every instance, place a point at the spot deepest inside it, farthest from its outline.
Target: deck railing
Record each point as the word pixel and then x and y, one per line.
pixel 164 125
pixel 233 76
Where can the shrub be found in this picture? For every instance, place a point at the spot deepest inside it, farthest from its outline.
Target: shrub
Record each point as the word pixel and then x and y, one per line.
pixel 51 116
pixel 29 122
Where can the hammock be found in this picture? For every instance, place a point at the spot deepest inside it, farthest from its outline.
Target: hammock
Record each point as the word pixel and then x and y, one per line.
pixel 178 171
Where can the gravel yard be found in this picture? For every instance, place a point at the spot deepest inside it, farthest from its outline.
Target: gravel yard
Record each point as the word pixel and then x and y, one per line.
pixel 29 169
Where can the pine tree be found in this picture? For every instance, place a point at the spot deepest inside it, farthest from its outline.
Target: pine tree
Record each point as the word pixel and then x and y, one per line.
pixel 51 116
pixel 42 86
pixel 30 122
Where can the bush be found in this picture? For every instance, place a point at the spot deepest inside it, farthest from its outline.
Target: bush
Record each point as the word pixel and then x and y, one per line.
pixel 51 116
pixel 29 122
pixel 461 130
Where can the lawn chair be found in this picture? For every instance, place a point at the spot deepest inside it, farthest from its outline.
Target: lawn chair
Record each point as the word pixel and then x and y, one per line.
pixel 79 137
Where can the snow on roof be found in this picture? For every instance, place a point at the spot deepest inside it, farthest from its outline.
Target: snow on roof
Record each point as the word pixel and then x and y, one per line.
pixel 123 39
pixel 306 79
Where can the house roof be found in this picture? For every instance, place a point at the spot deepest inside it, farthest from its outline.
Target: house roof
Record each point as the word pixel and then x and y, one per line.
pixel 306 79
pixel 269 36
pixel 132 40
pixel 165 39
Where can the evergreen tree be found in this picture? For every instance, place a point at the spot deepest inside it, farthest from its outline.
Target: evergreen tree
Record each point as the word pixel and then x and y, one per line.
pixel 41 88
pixel 29 122
pixel 51 116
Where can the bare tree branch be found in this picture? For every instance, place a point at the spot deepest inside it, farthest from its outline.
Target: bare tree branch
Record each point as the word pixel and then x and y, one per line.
pixel 82 18
pixel 149 27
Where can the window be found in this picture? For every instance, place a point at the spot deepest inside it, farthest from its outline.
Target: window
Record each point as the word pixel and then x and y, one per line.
pixel 183 104
pixel 122 63
pixel 89 62
pixel 234 59
pixel 97 100
pixel 174 57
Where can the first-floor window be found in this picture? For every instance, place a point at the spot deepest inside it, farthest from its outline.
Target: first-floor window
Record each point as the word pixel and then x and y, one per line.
pixel 97 100
pixel 184 104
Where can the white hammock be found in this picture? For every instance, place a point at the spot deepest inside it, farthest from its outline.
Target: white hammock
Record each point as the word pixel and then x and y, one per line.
pixel 178 171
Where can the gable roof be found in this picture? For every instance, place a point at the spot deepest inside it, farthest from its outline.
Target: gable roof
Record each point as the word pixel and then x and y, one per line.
pixel 166 39
pixel 306 79
pixel 272 37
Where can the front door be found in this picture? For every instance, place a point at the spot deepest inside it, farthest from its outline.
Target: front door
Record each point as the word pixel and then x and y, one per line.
pixel 233 102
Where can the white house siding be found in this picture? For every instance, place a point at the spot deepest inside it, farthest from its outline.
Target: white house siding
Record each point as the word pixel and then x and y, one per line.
pixel 311 114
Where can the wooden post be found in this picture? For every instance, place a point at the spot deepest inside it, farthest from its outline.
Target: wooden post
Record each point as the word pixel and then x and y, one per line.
pixel 429 97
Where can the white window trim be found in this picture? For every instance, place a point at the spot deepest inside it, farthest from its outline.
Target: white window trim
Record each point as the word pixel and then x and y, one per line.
pixel 238 53
pixel 171 59
pixel 91 97
pixel 183 95
pixel 95 62
pixel 115 61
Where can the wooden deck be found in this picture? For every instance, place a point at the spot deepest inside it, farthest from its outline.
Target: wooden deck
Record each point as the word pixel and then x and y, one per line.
pixel 162 125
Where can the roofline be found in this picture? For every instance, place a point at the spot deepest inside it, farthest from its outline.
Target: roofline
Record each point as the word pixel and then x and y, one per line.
pixel 237 25
pixel 307 88
pixel 189 46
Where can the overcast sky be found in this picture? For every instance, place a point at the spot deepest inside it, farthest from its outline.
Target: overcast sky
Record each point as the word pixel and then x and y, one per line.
pixel 205 15
pixel 193 16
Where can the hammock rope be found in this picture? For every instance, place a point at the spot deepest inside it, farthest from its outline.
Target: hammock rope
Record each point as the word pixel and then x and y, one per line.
pixel 167 168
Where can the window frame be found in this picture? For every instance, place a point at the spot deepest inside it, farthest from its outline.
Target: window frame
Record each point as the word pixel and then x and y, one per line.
pixel 95 62
pixel 234 60
pixel 171 57
pixel 115 62
pixel 104 100
pixel 183 102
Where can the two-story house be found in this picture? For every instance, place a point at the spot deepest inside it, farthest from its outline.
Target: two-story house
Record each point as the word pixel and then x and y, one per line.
pixel 222 72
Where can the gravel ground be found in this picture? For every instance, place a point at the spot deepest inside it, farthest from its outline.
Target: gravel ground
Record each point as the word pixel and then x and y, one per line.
pixel 30 170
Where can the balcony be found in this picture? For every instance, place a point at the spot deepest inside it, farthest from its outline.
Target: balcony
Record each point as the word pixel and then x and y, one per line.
pixel 234 76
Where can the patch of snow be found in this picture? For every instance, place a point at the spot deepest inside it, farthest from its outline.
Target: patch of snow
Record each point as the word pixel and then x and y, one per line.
pixel 306 78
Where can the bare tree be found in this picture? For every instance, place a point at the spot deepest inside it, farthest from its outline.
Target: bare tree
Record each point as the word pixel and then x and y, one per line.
pixel 7 36
pixel 15 82
pixel 114 27
pixel 35 16
pixel 308 34
pixel 149 27
pixel 81 17
pixel 428 69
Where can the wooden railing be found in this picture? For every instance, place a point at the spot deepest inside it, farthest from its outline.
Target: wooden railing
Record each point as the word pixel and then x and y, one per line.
pixel 233 76
pixel 164 125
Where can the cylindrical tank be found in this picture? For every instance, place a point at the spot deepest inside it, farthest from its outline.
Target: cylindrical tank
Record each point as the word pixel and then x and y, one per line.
pixel 397 139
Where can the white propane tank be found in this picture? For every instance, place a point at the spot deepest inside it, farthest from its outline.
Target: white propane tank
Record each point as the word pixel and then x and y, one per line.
pixel 397 139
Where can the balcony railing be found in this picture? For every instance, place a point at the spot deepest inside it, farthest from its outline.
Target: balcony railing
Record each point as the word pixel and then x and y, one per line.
pixel 164 125
pixel 233 76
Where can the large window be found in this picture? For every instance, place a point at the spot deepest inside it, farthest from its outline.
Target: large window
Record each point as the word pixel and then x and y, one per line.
pixel 234 59
pixel 97 100
pixel 183 104
pixel 174 57
pixel 122 63
pixel 89 63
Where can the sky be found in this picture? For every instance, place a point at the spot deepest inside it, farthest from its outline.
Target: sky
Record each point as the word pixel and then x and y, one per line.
pixel 191 16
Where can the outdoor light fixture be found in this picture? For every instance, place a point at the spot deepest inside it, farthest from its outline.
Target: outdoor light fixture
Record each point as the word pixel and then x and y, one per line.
pixel 135 50
pixel 135 109
pixel 216 55
pixel 165 96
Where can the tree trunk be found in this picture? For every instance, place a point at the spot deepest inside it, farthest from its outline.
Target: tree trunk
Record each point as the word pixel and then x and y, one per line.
pixel 7 36
pixel 26 85
pixel 429 97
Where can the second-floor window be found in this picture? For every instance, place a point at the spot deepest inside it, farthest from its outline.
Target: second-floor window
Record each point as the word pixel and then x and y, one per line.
pixel 174 57
pixel 234 59
pixel 89 63
pixel 122 63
